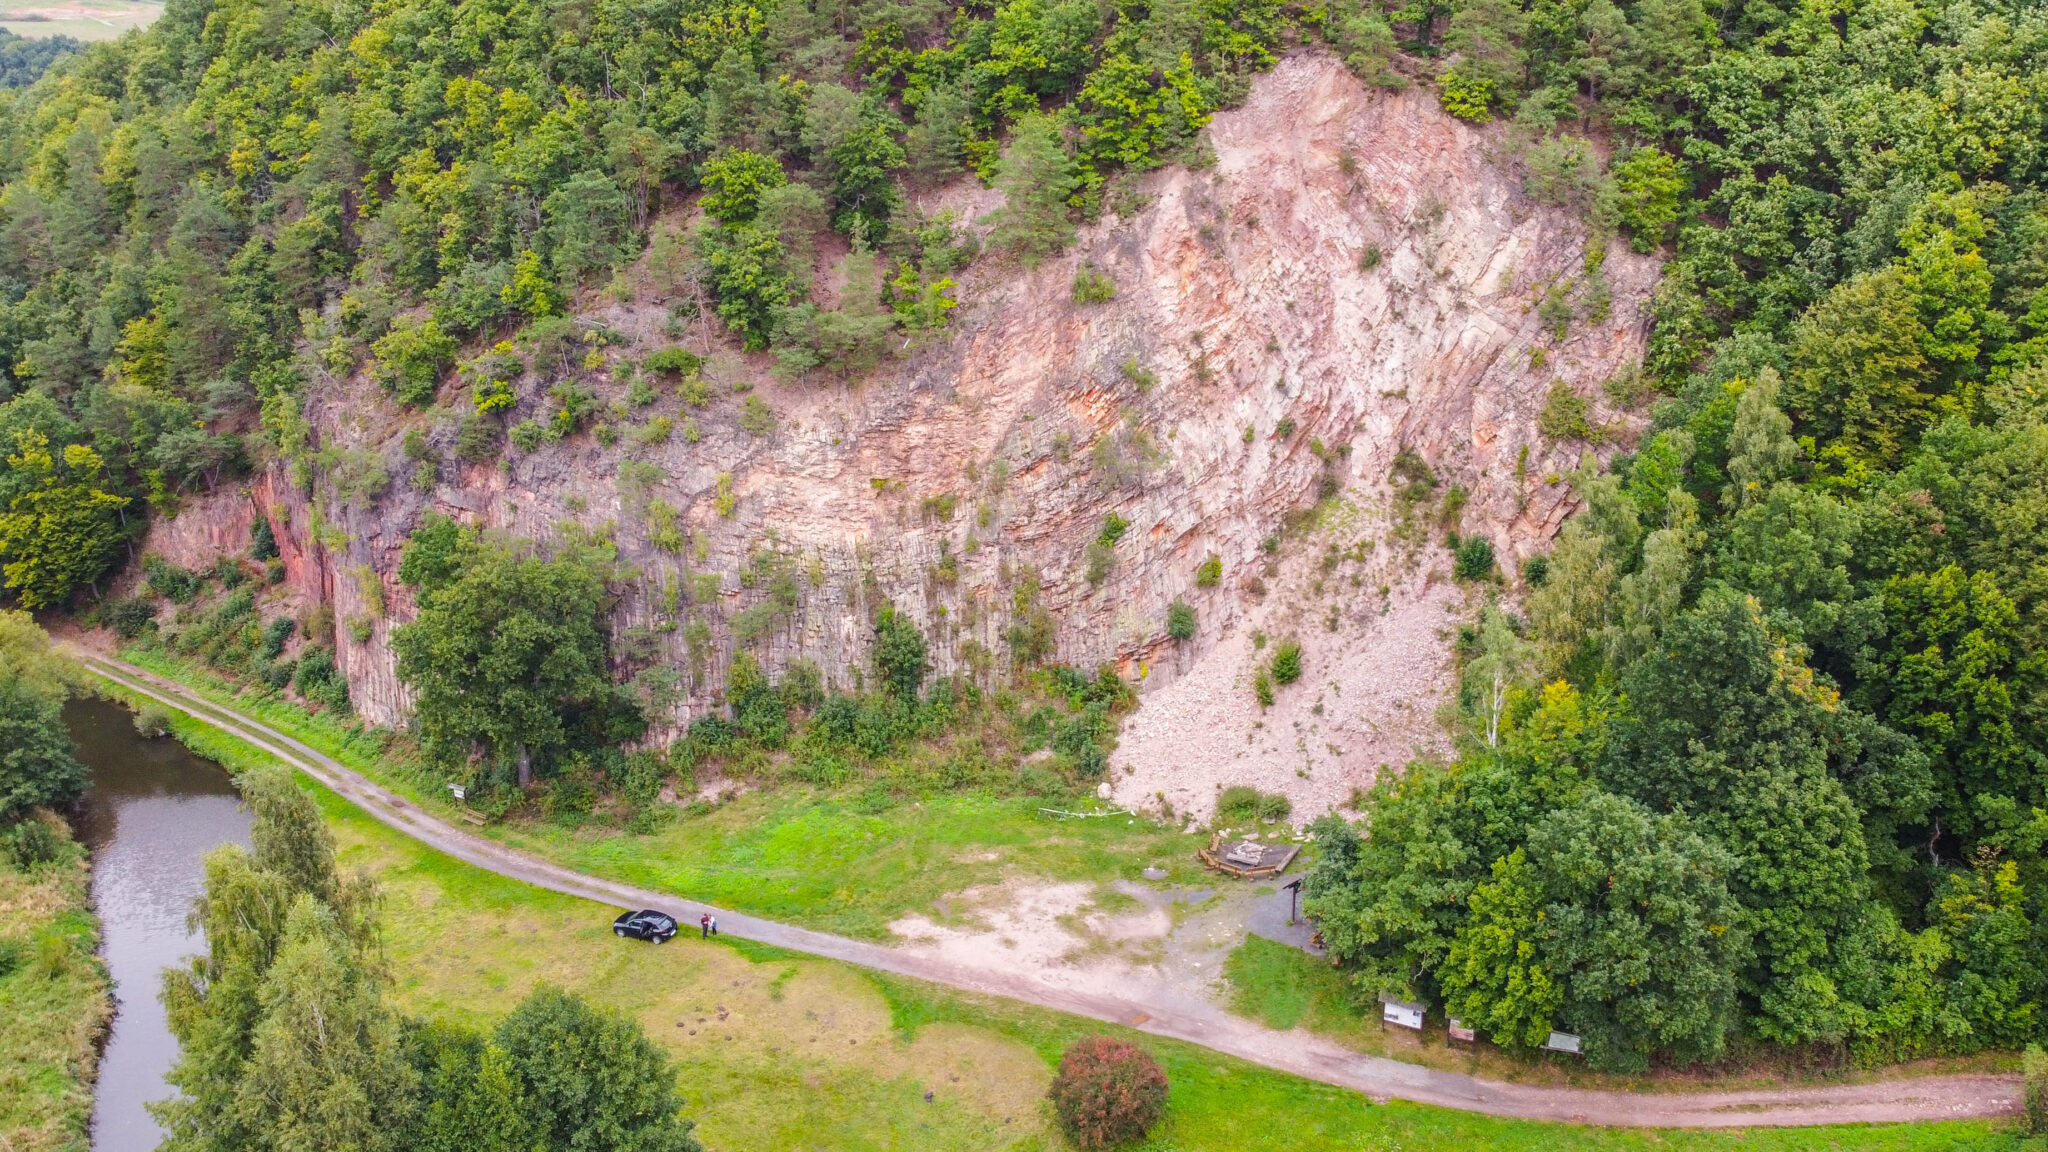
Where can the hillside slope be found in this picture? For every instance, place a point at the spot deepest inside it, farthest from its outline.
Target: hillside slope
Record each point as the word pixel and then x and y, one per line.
pixel 1241 290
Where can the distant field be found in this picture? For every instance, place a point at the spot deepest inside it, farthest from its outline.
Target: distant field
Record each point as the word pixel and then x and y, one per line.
pixel 84 19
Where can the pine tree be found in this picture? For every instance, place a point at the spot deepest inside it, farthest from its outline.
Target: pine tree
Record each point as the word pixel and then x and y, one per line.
pixel 1036 178
pixel 855 335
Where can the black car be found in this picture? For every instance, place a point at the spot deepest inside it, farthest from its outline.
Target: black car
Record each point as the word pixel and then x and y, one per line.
pixel 646 924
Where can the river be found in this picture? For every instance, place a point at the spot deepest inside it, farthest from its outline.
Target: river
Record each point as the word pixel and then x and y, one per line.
pixel 154 812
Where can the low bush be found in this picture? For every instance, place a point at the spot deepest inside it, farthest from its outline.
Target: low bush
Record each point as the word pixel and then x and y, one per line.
pixel 31 844
pixel 1241 802
pixel 1473 559
pixel 1093 286
pixel 1097 561
pixel 756 418
pixel 153 721
pixel 527 434
pixel 170 581
pixel 275 634
pixel 1238 802
pixel 1566 414
pixel 477 440
pixel 318 680
pixel 1107 1092
pixel 1287 662
pixel 673 362
pixel 129 618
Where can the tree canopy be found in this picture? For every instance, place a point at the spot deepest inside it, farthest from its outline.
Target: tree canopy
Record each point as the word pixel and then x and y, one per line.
pixel 509 656
pixel 205 223
pixel 38 763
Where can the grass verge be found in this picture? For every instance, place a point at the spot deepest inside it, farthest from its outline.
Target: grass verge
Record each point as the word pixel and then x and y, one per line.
pixel 779 1051
pixel 54 1003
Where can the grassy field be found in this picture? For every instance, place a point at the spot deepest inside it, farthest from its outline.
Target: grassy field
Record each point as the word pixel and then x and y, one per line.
pixel 832 861
pixel 781 1052
pixel 80 19
pixel 54 1004
pixel 823 861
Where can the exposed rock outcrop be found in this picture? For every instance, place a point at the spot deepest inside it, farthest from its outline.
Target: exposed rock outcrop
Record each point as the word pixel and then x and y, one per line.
pixel 1354 271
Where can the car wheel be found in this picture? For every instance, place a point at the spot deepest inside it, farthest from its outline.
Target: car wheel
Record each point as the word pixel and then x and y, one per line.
pixel 618 931
pixel 664 939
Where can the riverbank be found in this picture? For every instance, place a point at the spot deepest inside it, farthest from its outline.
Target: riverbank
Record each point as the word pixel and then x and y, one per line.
pixel 519 934
pixel 54 999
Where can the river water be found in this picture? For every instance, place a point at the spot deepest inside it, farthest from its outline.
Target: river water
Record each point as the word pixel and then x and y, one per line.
pixel 154 812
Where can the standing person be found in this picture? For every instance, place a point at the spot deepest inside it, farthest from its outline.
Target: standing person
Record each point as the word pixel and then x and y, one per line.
pixel 714 925
pixel 704 922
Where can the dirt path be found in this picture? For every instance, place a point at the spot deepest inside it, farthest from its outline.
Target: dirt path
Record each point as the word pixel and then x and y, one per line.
pixel 1149 1010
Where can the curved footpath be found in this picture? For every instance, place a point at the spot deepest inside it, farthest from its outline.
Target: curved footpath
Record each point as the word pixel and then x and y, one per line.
pixel 1903 1100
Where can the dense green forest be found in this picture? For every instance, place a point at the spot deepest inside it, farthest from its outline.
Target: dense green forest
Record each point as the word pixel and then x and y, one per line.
pixel 1761 763
pixel 1767 761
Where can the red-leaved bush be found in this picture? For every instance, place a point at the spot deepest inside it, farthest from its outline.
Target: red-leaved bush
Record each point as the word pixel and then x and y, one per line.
pixel 1107 1092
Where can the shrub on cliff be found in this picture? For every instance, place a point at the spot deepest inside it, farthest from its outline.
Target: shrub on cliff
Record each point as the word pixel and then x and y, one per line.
pixel 1107 1092
pixel 1287 662
pixel 1474 559
pixel 1093 286
pixel 673 362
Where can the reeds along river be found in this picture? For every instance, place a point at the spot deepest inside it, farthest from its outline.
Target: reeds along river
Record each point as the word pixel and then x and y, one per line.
pixel 154 812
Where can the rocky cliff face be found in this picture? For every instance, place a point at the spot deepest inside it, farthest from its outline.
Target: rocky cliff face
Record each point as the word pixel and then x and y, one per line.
pixel 1353 276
